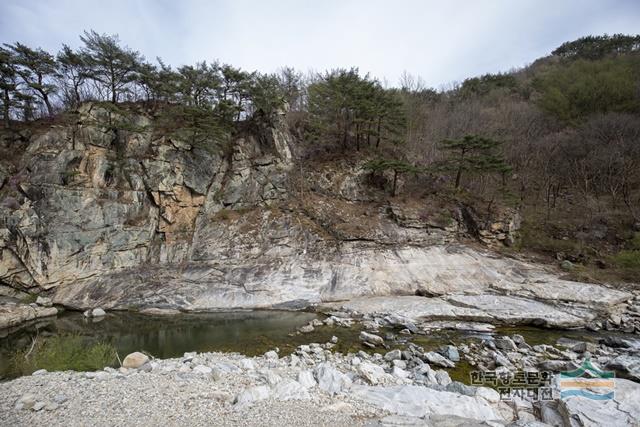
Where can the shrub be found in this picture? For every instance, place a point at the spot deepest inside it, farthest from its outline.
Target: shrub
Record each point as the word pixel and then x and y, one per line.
pixel 627 259
pixel 63 352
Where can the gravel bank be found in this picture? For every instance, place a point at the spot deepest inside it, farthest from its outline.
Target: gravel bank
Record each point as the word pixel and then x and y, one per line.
pixel 315 387
pixel 169 397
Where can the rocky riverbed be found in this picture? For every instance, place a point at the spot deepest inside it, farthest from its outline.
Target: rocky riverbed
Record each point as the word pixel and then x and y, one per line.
pixel 312 386
pixel 388 384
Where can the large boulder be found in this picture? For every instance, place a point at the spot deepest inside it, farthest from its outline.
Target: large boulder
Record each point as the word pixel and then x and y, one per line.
pixel 372 339
pixel 135 360
pixel 290 390
pixel 417 401
pixel 371 372
pixel 330 379
pixel 252 394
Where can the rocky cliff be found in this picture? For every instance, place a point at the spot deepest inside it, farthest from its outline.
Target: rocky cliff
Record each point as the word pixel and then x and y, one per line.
pixel 134 219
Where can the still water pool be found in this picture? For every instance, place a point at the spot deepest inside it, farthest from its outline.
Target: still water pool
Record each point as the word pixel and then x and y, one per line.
pixel 248 332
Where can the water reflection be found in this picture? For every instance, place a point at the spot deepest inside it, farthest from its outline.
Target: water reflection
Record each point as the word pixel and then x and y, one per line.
pixel 168 336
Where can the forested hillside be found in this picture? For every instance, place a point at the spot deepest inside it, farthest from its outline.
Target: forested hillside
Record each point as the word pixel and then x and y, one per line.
pixel 558 141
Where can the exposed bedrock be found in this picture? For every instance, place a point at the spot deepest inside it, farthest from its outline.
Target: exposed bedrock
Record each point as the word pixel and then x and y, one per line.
pixel 138 220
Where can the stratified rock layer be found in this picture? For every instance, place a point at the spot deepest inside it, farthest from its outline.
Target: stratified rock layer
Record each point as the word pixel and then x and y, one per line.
pixel 137 220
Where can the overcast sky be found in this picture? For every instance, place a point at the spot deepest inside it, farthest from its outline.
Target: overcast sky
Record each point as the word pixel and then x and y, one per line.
pixel 441 41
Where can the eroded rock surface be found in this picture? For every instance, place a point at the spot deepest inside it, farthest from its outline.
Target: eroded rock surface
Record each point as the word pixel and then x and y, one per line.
pixel 479 308
pixel 139 220
pixel 12 314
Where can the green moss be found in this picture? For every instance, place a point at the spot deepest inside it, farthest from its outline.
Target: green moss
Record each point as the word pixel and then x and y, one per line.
pixel 30 298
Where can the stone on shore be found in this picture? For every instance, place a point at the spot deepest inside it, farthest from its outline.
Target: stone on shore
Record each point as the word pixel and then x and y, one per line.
pixel 271 355
pixel 373 339
pixel 135 360
pixel 202 370
pixel 393 355
pixel 306 379
pixel 450 352
pixel 438 359
pixel 290 390
pixel 94 312
pixel 371 372
pixel 330 379
pixel 628 364
pixel 252 394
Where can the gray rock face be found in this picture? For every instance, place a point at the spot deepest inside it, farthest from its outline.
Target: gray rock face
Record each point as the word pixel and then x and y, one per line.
pixel 12 314
pixel 44 301
pixel 93 203
pixel 142 221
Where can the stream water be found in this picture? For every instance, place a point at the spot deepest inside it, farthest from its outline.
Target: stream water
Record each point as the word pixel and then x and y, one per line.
pixel 250 333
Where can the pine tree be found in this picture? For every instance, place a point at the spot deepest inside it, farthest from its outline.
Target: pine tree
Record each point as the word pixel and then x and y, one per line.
pixel 8 85
pixel 37 69
pixel 472 153
pixel 72 71
pixel 110 65
pixel 344 107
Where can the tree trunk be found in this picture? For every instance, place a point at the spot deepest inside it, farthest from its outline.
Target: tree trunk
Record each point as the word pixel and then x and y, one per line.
pixel 76 93
pixel 378 133
pixel 45 98
pixel 114 93
pixel 7 121
pixel 345 136
pixel 395 181
pixel 459 173
pixel 458 176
